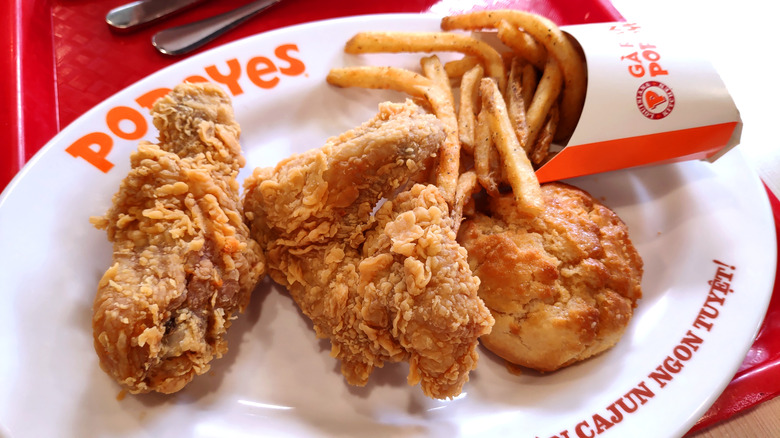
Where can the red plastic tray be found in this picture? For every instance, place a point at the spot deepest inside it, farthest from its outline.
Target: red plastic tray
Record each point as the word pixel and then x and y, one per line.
pixel 61 59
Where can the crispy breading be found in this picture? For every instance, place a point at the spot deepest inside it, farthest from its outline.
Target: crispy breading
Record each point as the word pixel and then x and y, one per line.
pixel 384 285
pixel 183 263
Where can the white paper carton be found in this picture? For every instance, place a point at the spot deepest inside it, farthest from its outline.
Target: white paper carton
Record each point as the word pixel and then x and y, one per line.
pixel 650 100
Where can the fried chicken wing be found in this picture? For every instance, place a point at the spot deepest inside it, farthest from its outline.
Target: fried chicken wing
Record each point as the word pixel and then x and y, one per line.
pixel 384 285
pixel 183 261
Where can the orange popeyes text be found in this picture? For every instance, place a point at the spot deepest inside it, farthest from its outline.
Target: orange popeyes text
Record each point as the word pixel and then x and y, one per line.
pixel 128 123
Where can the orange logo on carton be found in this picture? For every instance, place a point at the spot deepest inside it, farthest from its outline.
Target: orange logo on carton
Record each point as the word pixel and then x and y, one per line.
pixel 655 100
pixel 128 123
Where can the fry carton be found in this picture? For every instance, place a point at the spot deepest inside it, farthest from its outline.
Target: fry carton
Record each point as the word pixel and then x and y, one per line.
pixel 649 101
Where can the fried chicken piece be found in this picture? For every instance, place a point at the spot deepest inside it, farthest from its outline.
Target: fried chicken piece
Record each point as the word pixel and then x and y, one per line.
pixel 183 261
pixel 562 285
pixel 383 287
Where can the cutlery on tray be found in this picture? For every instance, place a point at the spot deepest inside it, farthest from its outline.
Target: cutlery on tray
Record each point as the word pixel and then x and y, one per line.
pixel 133 15
pixel 185 38
pixel 182 39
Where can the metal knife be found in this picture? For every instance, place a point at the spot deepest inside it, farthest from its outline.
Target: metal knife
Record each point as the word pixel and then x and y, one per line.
pixel 132 15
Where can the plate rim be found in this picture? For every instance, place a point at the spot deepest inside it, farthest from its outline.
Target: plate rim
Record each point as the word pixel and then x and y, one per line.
pixel 46 149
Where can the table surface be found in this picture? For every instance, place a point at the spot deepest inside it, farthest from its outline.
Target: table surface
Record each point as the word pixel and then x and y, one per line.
pixel 736 40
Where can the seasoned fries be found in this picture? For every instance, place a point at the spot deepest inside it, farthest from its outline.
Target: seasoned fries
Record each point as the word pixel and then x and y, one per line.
pixel 467 186
pixel 486 159
pixel 457 68
pixel 439 94
pixel 529 83
pixel 519 170
pixel 546 93
pixel 516 106
pixel 556 44
pixel 541 148
pixel 499 123
pixel 522 44
pixel 467 110
pixel 381 78
pixel 396 42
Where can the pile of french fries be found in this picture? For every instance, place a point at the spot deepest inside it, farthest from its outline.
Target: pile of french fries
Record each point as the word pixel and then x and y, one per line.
pixel 510 107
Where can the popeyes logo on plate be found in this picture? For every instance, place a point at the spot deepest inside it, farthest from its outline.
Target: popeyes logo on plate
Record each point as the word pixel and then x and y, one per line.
pixel 127 123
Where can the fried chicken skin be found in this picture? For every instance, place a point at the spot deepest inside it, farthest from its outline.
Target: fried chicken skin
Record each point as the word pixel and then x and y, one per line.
pixel 388 286
pixel 183 261
pixel 562 285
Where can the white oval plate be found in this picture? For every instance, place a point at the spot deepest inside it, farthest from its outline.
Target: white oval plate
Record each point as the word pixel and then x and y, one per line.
pixel 277 379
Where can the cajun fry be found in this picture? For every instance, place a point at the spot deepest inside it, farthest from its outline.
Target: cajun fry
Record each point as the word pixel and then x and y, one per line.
pixel 519 171
pixel 529 84
pixel 449 157
pixel 397 42
pixel 433 70
pixel 546 94
pixel 522 44
pixel 384 78
pixel 439 94
pixel 542 145
pixel 457 68
pixel 515 105
pixel 467 107
pixel 467 186
pixel 486 160
pixel 556 44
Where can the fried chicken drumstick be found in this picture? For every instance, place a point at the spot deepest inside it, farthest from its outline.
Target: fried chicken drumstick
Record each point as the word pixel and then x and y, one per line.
pixel 387 286
pixel 183 262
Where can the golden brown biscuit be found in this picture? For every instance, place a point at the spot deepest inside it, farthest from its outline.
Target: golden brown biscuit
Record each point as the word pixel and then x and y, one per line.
pixel 561 285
